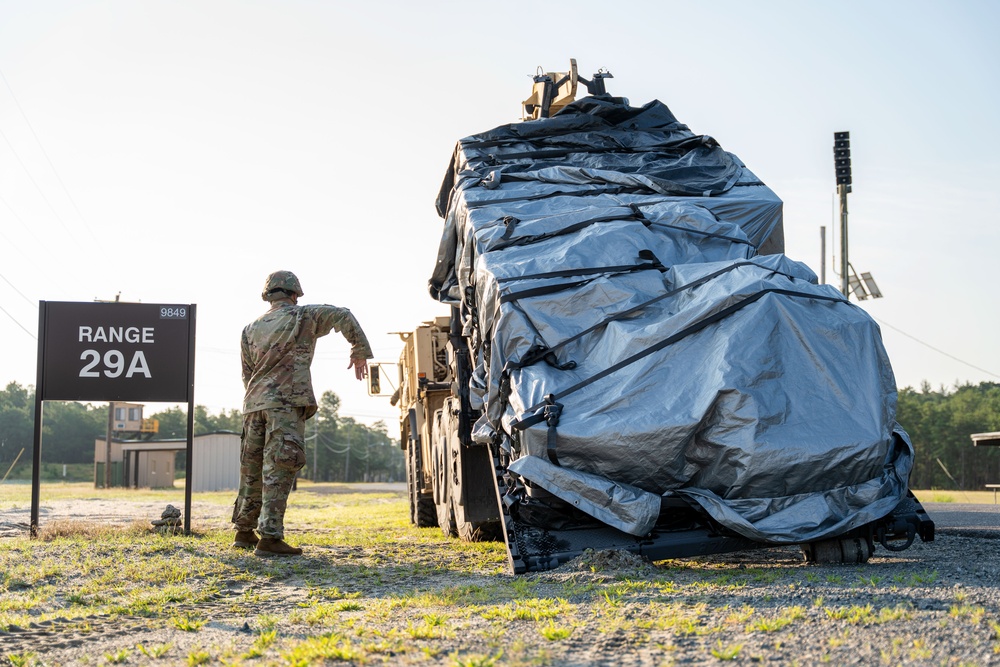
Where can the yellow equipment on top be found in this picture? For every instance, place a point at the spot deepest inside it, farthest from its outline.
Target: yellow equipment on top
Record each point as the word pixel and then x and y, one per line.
pixel 551 91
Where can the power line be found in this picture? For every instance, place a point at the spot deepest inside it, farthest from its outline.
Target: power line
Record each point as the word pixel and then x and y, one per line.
pixel 18 218
pixel 928 345
pixel 47 159
pixel 18 323
pixel 39 188
pixel 18 291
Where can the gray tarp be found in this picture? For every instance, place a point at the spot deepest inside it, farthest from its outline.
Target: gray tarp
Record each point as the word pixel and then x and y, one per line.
pixel 633 341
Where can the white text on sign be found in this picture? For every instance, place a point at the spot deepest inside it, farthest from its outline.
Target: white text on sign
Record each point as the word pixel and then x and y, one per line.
pixel 116 335
pixel 114 362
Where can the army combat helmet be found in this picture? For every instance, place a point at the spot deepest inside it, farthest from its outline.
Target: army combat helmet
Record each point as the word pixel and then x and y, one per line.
pixel 279 285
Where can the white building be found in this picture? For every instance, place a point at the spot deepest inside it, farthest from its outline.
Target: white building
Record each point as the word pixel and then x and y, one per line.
pixel 150 463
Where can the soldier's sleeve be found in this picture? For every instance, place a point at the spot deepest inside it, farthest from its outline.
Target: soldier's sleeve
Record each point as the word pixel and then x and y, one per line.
pixel 334 318
pixel 245 359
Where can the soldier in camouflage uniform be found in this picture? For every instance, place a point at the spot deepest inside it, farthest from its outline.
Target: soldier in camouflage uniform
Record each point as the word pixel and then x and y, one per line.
pixel 277 351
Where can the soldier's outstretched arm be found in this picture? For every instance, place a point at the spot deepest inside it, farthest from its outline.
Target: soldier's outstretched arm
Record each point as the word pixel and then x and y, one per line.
pixel 343 321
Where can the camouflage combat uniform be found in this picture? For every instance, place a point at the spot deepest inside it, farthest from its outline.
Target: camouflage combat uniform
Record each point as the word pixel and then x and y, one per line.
pixel 277 351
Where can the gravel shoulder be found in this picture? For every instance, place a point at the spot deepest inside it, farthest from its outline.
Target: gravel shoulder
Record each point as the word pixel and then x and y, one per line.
pixel 413 597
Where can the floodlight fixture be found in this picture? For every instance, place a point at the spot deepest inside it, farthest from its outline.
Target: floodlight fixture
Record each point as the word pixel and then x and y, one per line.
pixel 842 157
pixel 869 282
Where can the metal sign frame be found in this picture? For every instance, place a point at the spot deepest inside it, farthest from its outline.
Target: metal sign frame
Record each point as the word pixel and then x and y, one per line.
pixel 113 351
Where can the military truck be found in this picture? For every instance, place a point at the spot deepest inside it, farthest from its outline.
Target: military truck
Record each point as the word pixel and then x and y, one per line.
pixel 631 362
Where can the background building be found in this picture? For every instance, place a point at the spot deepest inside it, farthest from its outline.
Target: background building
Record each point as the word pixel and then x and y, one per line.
pixel 151 463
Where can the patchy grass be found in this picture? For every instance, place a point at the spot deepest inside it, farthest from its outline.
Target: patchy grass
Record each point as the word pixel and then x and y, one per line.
pixel 373 589
pixel 938 496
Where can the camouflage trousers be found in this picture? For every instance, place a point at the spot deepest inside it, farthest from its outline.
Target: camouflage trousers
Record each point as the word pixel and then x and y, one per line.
pixel 272 452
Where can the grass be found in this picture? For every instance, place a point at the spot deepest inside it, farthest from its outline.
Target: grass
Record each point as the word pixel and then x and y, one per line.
pixel 726 652
pixel 374 589
pixel 974 497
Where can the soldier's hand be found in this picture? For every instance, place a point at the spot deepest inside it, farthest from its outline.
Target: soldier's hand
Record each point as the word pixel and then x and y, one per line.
pixel 360 368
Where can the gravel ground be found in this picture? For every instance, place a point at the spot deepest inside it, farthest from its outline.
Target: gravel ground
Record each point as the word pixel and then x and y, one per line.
pixel 934 604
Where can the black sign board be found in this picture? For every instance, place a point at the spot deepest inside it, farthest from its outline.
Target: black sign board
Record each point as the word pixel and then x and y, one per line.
pixel 116 351
pixel 105 351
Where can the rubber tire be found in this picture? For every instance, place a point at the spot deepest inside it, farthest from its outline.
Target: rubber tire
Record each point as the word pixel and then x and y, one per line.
pixel 442 494
pixel 475 531
pixel 422 511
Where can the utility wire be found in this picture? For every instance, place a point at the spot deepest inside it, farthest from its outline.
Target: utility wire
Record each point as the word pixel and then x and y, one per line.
pixel 928 345
pixel 18 323
pixel 18 218
pixel 33 303
pixel 11 243
pixel 38 187
pixel 47 159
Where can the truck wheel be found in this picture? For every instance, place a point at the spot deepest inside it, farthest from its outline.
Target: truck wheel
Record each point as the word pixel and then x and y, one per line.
pixel 442 494
pixel 422 511
pixel 474 531
pixel 426 514
pixel 446 520
pixel 411 485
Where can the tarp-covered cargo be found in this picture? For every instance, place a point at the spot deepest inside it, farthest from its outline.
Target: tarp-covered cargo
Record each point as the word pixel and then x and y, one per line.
pixel 639 336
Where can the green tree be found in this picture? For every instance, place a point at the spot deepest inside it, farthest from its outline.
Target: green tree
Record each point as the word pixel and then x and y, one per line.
pixel 173 421
pixel 939 424
pixel 69 430
pixel 341 449
pixel 16 425
pixel 228 421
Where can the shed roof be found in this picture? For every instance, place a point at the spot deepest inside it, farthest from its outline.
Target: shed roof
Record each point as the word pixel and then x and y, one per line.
pixel 988 439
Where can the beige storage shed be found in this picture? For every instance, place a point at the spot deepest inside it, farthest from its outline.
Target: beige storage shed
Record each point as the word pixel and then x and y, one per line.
pixel 216 461
pixel 150 463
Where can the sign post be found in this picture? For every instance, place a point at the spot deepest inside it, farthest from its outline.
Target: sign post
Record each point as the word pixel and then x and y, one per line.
pixel 114 352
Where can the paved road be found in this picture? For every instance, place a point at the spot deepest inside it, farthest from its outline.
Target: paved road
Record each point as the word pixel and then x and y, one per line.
pixel 965 519
pixel 356 487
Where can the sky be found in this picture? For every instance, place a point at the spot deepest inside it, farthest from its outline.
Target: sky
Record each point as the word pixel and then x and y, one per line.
pixel 178 152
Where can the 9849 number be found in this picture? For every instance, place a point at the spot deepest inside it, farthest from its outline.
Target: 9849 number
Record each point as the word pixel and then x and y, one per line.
pixel 173 313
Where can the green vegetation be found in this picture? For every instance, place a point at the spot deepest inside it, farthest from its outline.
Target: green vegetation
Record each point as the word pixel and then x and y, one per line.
pixel 726 652
pixel 939 424
pixel 373 589
pixel 339 448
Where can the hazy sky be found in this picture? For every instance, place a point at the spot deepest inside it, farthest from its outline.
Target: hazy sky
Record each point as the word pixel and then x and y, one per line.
pixel 178 152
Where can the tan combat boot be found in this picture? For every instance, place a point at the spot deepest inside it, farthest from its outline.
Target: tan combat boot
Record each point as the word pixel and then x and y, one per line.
pixel 270 546
pixel 245 539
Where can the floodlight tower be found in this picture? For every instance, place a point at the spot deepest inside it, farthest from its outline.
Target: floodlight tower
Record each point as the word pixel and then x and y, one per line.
pixel 842 165
pixel 864 286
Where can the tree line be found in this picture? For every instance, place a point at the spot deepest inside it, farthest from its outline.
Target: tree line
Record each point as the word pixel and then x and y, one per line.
pixel 939 424
pixel 338 448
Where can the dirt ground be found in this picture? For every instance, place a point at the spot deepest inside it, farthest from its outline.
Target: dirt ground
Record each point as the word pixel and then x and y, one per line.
pixel 934 604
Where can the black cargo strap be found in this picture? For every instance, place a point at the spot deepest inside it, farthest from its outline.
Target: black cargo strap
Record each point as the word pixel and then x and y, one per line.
pixel 583 191
pixel 545 289
pixel 651 263
pixel 490 143
pixel 699 232
pixel 532 356
pixel 549 412
pixel 507 241
pixel 509 223
pixel 537 411
pixel 673 149
pixel 652 223
pixel 539 353
pixel 559 287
